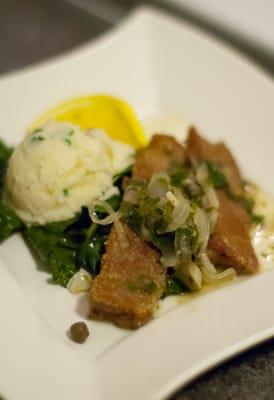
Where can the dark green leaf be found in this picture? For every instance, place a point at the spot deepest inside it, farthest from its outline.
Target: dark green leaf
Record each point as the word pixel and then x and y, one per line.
pixel 61 262
pixel 5 153
pixel 88 255
pixel 59 227
pixel 174 286
pixel 49 242
pixel 9 222
pixel 43 242
pixel 67 246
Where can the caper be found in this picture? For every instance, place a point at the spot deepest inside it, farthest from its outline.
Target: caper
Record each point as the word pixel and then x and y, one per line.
pixel 79 332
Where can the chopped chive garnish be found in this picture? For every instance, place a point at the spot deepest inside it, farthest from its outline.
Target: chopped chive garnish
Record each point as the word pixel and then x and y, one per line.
pixel 37 130
pixel 37 139
pixel 67 141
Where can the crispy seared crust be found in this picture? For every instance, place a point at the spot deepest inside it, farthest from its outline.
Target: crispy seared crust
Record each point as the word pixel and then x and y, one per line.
pixel 230 244
pixel 123 292
pixel 160 154
pixel 199 149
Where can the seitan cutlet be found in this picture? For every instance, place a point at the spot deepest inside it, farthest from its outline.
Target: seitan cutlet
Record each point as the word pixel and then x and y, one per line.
pixel 132 279
pixel 230 244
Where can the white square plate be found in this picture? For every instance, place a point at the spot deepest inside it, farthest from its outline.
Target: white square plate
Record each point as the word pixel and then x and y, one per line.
pixel 252 20
pixel 160 66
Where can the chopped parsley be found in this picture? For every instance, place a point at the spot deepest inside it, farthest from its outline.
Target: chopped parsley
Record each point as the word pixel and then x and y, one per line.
pixel 249 204
pixel 142 284
pixel 178 176
pixel 66 192
pixel 257 219
pixel 70 133
pixel 216 176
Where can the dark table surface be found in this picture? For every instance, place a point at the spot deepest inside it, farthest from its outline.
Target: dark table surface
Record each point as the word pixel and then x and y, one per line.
pixel 33 30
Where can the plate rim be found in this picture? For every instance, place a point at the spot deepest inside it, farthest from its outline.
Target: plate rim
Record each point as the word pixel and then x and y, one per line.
pixel 140 12
pixel 145 12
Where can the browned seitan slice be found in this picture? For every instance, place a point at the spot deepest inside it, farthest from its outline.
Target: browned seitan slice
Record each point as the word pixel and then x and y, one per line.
pixel 199 149
pixel 230 244
pixel 131 282
pixel 161 153
pixel 132 279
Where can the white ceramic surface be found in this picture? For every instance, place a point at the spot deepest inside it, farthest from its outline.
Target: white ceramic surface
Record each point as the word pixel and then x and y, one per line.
pixel 250 19
pixel 161 67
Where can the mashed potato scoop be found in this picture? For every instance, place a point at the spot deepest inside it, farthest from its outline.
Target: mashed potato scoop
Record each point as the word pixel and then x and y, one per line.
pixel 59 168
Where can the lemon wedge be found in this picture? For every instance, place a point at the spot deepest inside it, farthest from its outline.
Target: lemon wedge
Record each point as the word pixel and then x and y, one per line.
pixel 112 114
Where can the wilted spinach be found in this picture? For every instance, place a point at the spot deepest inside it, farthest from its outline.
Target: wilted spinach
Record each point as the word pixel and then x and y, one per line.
pixel 47 241
pixel 5 153
pixel 9 222
pixel 174 286
pixel 67 246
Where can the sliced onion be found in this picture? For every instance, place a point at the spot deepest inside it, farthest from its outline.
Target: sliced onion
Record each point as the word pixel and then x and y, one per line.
pixel 211 197
pixel 202 174
pixel 213 218
pixel 145 232
pixel 158 185
pixel 190 274
pixel 169 260
pixel 182 249
pixel 202 223
pixel 80 282
pixel 180 212
pixel 207 263
pixel 112 217
pixel 210 194
pixel 196 275
pixel 105 221
pixel 210 274
pixel 170 196
pixel 131 196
